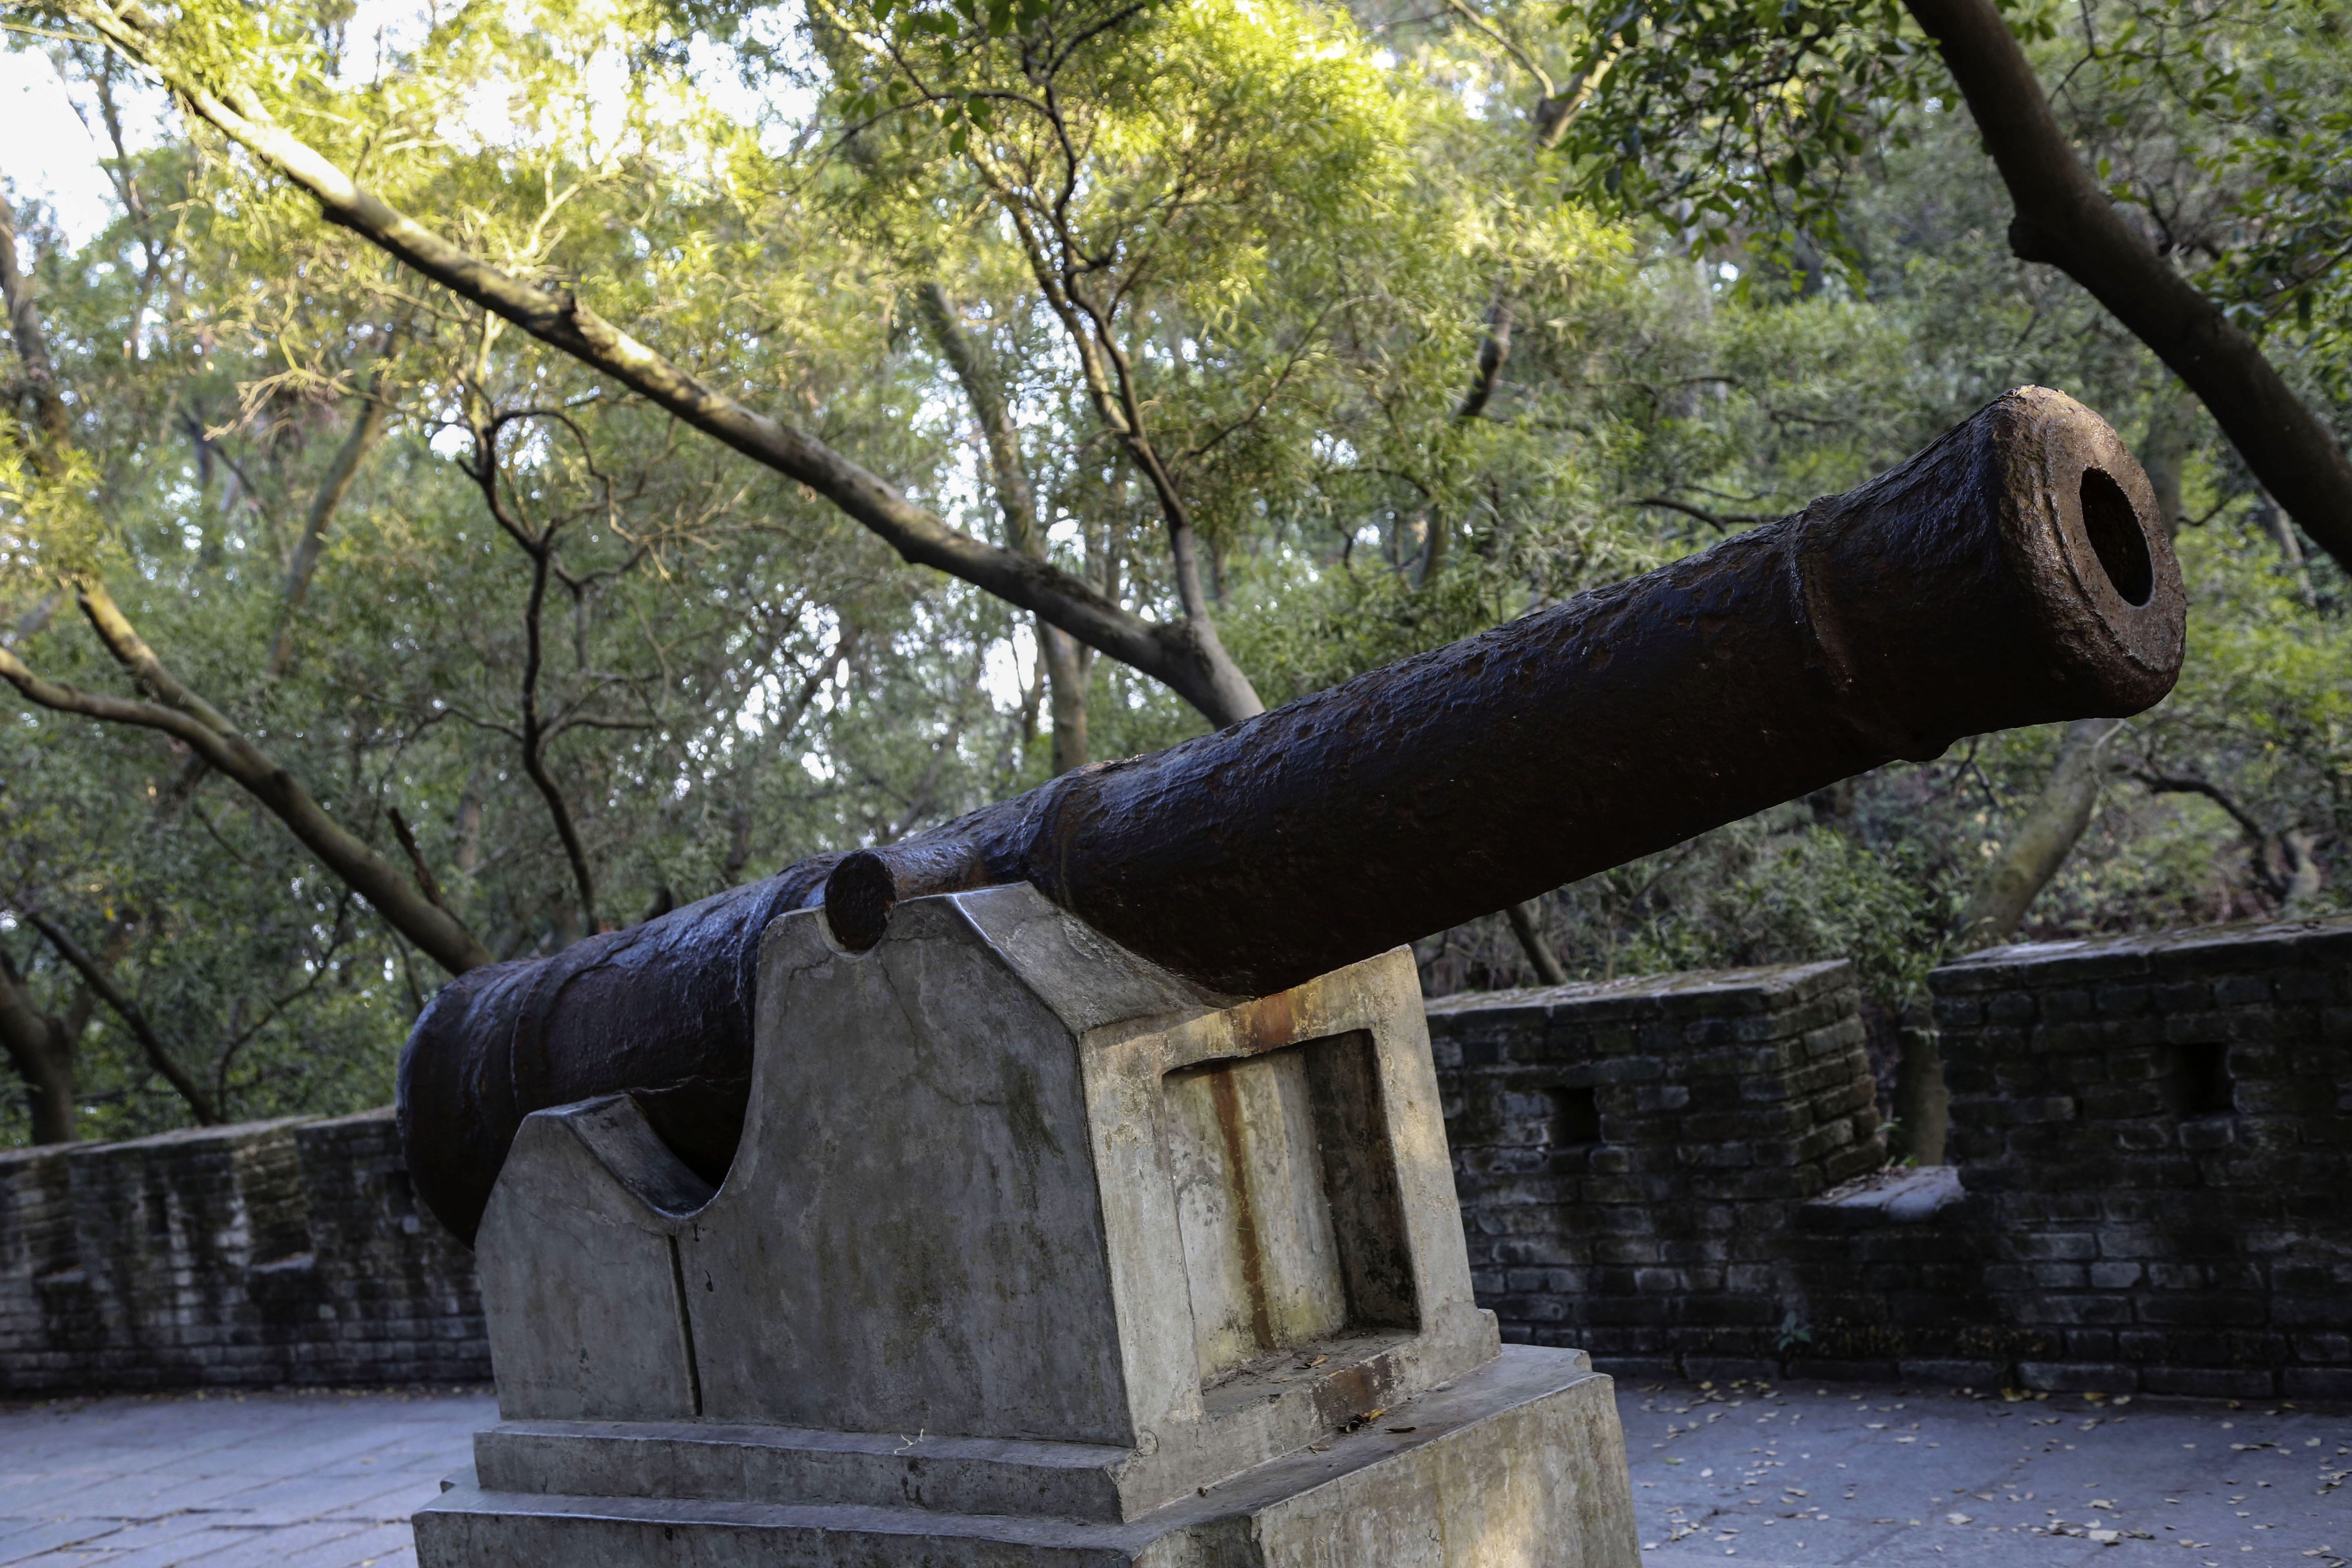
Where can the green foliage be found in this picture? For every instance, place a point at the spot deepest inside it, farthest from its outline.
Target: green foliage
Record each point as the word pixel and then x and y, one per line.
pixel 1739 115
pixel 1765 263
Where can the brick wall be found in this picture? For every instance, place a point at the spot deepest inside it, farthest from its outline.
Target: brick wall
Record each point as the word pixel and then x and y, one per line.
pixel 2158 1133
pixel 273 1252
pixel 2151 1141
pixel 1631 1156
pixel 2152 1138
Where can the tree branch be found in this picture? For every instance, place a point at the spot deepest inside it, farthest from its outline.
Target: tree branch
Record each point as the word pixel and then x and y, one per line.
pixel 32 350
pixel 1526 61
pixel 1065 667
pixel 539 545
pixel 1165 652
pixel 2170 784
pixel 376 408
pixel 1722 522
pixel 101 984
pixel 1494 351
pixel 416 862
pixel 1110 386
pixel 440 935
pixel 2064 219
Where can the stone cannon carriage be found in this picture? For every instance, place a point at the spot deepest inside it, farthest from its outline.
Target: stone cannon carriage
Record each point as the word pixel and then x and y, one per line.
pixel 1066 1183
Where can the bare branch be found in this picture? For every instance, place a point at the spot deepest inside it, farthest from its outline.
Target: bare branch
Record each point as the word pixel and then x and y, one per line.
pixel 367 430
pixel 2176 784
pixel 416 862
pixel 540 546
pixel 442 936
pixel 1722 522
pixel 1526 61
pixel 101 984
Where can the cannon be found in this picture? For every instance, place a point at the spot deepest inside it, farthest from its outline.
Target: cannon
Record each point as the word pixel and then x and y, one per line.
pixel 2013 573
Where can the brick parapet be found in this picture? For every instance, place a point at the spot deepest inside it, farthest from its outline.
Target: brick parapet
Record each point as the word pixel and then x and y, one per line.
pixel 2152 1138
pixel 1630 1154
pixel 2162 1128
pixel 286 1251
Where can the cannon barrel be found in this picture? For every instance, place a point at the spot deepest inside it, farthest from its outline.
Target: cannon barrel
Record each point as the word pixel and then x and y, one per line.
pixel 2013 573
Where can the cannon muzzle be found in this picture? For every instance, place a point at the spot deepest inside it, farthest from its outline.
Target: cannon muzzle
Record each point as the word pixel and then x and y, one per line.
pixel 2014 573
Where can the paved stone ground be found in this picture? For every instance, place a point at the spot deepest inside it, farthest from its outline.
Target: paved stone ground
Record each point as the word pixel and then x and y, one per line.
pixel 296 1480
pixel 1815 1475
pixel 1795 1477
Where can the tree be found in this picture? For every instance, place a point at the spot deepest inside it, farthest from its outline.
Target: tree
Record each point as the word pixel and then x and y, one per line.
pixel 40 1047
pixel 1718 114
pixel 560 661
pixel 177 710
pixel 1184 654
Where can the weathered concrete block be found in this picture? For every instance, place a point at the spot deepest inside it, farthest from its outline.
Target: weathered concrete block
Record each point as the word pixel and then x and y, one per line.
pixel 1520 1462
pixel 1114 1250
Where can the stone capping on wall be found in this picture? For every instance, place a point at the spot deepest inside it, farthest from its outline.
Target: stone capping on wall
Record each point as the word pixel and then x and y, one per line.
pixel 270 1252
pixel 2173 954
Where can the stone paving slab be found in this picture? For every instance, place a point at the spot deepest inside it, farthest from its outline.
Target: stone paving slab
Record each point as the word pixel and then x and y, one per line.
pixel 1813 1475
pixel 1803 1476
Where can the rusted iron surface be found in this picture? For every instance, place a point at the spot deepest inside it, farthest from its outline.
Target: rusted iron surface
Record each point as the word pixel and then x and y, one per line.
pixel 2012 574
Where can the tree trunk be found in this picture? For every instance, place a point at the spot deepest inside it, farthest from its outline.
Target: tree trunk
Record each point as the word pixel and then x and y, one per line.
pixel 2041 842
pixel 1066 675
pixel 101 984
pixel 2162 453
pixel 365 432
pixel 41 1048
pixel 2281 532
pixel 1540 955
pixel 2064 219
pixel 1923 1104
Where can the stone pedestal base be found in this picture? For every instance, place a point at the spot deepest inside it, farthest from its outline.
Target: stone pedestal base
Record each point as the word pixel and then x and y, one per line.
pixel 1519 1464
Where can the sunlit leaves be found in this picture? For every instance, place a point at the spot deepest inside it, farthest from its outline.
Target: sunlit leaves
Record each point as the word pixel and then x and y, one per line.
pixel 1738 119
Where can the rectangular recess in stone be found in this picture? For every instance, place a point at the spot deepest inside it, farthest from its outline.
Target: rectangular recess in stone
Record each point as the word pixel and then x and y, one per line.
pixel 1287 1202
pixel 1360 1178
pixel 1259 1252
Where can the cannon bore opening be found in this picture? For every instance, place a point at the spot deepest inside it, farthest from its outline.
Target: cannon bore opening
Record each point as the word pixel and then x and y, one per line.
pixel 2115 535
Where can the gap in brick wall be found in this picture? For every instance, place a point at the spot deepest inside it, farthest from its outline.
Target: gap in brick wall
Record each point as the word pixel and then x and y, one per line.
pixel 2201 1083
pixel 1575 1117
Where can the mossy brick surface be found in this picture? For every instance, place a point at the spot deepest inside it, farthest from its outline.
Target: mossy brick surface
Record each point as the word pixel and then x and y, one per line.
pixel 254 1255
pixel 2152 1136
